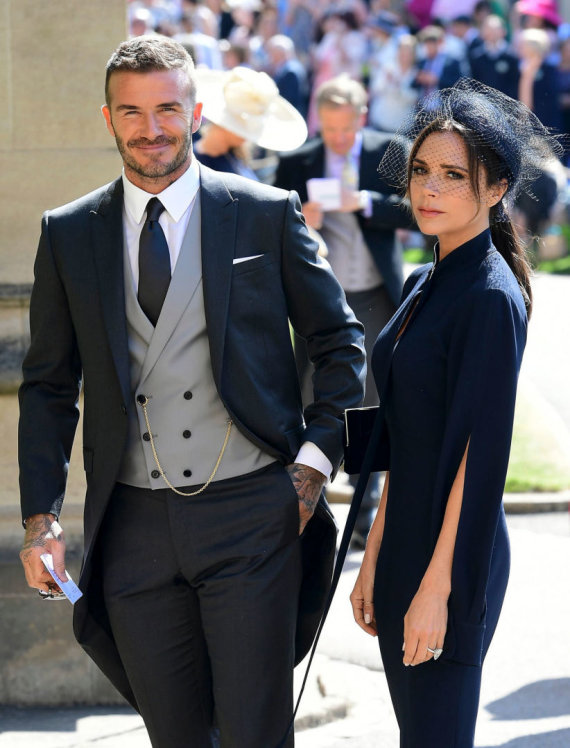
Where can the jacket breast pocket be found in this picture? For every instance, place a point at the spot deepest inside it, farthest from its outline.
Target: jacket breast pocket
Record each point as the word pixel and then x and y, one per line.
pixel 87 460
pixel 249 266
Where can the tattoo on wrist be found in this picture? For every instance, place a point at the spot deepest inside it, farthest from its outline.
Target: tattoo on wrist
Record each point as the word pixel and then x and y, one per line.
pixel 38 530
pixel 308 483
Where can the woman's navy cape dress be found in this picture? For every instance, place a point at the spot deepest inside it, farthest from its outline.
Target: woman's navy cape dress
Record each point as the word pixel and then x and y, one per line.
pixel 449 381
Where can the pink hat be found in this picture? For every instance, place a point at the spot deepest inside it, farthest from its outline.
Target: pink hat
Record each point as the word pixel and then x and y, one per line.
pixel 546 9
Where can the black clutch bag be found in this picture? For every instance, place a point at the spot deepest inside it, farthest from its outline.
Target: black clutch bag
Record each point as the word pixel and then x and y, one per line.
pixel 358 427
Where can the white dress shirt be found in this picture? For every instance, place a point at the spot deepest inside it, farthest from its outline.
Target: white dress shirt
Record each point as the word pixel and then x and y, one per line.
pixel 178 199
pixel 335 165
pixel 348 253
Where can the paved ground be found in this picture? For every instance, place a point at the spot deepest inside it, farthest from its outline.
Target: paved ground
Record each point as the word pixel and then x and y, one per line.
pixel 547 355
pixel 526 691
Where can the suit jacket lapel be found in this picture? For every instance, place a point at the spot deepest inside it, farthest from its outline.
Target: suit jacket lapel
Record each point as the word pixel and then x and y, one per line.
pixel 362 161
pixel 219 223
pixel 107 244
pixel 316 162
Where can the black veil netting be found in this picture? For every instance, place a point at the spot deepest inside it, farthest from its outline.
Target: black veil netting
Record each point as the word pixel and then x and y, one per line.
pixel 515 145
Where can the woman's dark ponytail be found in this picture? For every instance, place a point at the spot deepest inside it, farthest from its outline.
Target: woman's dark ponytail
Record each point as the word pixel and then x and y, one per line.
pixel 507 241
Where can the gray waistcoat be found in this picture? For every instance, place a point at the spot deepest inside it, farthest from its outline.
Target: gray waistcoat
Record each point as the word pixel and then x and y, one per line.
pixel 170 364
pixel 349 256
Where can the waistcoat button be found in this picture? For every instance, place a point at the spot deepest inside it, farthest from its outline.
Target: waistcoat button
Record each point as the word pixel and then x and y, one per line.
pixel 155 474
pixel 188 395
pixel 187 434
pixel 141 399
pixel 124 409
pixel 146 436
pixel 187 473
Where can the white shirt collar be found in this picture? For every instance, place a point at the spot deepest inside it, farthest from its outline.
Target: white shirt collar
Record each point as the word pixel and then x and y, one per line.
pixel 354 151
pixel 176 198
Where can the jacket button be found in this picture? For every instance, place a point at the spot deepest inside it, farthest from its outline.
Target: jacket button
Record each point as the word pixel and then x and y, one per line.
pixel 146 436
pixel 188 395
pixel 155 474
pixel 187 434
pixel 124 409
pixel 141 399
pixel 187 473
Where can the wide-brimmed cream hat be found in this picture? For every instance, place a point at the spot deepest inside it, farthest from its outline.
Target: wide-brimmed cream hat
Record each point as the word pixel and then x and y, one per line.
pixel 248 104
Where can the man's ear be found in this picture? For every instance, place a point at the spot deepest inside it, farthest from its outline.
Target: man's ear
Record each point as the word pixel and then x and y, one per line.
pixel 106 112
pixel 362 118
pixel 197 117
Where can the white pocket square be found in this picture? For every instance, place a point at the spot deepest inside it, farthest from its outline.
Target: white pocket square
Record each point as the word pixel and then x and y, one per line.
pixel 237 260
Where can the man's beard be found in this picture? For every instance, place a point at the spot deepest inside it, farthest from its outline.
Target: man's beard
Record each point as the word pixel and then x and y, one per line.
pixel 156 169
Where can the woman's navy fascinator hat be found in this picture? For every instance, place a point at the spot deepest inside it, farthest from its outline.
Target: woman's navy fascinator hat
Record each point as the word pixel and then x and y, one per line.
pixel 511 141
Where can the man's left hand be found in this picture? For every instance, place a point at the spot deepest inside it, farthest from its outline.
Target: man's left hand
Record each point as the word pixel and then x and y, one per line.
pixel 351 201
pixel 308 483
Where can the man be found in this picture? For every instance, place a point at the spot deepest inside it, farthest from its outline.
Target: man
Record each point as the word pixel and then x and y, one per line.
pixel 201 470
pixel 359 235
pixel 437 70
pixel 287 72
pixel 494 63
pixel 464 30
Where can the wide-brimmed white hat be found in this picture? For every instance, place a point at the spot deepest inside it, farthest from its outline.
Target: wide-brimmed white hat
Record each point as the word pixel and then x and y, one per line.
pixel 248 104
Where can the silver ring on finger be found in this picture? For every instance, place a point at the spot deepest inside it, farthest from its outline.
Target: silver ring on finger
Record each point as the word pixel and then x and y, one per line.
pixel 436 652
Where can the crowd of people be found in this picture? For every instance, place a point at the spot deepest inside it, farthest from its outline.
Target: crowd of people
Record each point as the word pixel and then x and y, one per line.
pixel 400 52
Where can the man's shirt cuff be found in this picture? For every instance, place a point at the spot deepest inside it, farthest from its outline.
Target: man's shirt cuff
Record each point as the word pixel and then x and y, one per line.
pixel 312 456
pixel 366 203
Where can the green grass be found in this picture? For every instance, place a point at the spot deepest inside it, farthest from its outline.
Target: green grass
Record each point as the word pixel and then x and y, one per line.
pixel 538 461
pixel 417 256
pixel 561 266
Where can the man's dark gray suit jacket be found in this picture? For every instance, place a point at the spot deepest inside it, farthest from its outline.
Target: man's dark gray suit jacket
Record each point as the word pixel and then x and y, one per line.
pixel 388 213
pixel 78 334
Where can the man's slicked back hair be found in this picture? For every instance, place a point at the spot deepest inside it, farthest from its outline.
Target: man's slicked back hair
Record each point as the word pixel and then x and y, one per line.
pixel 342 91
pixel 147 54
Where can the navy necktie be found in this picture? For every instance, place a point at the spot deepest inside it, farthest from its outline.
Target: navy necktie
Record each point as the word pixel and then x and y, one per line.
pixel 154 263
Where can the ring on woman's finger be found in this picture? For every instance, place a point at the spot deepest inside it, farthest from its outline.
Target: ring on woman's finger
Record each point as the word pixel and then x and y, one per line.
pixel 435 652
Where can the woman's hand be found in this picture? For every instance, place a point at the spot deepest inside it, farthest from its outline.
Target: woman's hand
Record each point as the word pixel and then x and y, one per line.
pixel 425 625
pixel 362 598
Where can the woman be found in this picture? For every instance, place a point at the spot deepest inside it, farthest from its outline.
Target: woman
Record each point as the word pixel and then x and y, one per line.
pixel 243 108
pixel 539 81
pixel 223 150
pixel 341 49
pixel 435 569
pixel 392 93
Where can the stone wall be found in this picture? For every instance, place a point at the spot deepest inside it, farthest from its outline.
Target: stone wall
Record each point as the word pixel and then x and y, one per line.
pixel 54 147
pixel 53 142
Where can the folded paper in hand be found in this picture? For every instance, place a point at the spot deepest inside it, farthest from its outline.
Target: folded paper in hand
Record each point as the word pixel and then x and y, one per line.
pixel 326 192
pixel 69 588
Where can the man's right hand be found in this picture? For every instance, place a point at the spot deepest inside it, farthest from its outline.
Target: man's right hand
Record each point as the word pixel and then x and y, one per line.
pixel 313 214
pixel 43 535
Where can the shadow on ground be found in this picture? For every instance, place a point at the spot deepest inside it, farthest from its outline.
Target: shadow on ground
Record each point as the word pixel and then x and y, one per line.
pixel 539 700
pixel 554 739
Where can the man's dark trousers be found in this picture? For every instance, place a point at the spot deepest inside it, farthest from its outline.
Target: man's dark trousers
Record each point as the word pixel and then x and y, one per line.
pixel 197 608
